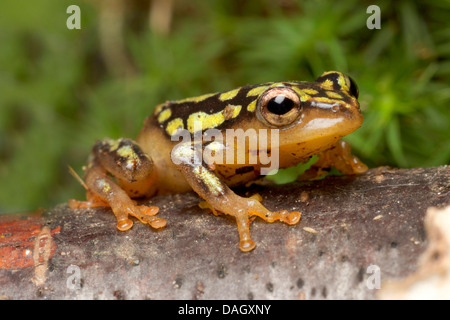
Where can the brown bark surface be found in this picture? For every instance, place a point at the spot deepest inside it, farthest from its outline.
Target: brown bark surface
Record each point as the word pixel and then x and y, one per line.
pixel 348 224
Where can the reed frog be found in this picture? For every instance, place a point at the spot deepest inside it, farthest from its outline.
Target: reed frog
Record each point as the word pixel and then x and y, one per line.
pixel 184 145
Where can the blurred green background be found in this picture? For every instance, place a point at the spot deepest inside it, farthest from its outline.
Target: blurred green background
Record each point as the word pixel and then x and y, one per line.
pixel 62 89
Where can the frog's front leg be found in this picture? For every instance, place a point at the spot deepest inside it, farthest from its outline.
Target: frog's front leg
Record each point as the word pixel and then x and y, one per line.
pixel 340 157
pixel 134 175
pixel 220 197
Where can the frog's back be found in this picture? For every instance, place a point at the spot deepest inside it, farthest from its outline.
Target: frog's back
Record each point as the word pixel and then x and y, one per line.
pixel 216 110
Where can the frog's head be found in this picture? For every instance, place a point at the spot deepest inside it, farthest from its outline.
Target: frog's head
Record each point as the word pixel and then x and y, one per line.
pixel 311 115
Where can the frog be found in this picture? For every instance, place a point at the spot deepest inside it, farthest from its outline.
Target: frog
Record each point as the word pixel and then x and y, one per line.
pixel 184 146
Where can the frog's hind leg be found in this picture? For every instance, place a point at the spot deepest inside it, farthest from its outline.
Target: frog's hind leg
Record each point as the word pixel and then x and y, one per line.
pixel 134 176
pixel 220 197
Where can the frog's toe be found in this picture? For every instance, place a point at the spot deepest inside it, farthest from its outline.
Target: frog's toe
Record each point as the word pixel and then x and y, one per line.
pixel 247 245
pixel 282 215
pixel 148 211
pixel 124 225
pixel 158 223
pixel 292 217
pixel 257 197
pixel 147 215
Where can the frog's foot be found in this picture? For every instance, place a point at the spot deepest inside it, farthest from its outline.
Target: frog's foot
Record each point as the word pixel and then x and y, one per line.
pixel 253 207
pixel 146 214
pixel 243 209
pixel 117 170
pixel 123 207
pixel 257 209
pixel 93 201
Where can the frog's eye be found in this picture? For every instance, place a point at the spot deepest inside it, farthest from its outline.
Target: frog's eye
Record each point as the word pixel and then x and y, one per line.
pixel 279 106
pixel 354 91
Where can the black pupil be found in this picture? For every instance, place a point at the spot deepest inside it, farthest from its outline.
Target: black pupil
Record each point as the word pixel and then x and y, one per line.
pixel 280 105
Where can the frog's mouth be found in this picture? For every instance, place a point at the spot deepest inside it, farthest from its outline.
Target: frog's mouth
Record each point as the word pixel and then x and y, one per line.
pixel 318 125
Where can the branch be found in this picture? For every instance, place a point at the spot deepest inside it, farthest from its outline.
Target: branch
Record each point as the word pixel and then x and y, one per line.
pixel 348 224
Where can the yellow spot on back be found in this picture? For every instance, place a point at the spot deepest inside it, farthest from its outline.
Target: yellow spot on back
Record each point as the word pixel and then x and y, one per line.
pixel 252 106
pixel 327 84
pixel 207 121
pixel 229 94
pixel 277 84
pixel 342 82
pixel 196 99
pixel 303 96
pixel 164 115
pixel 256 91
pixel 236 110
pixel 174 125
pixel 310 91
pixel 333 94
